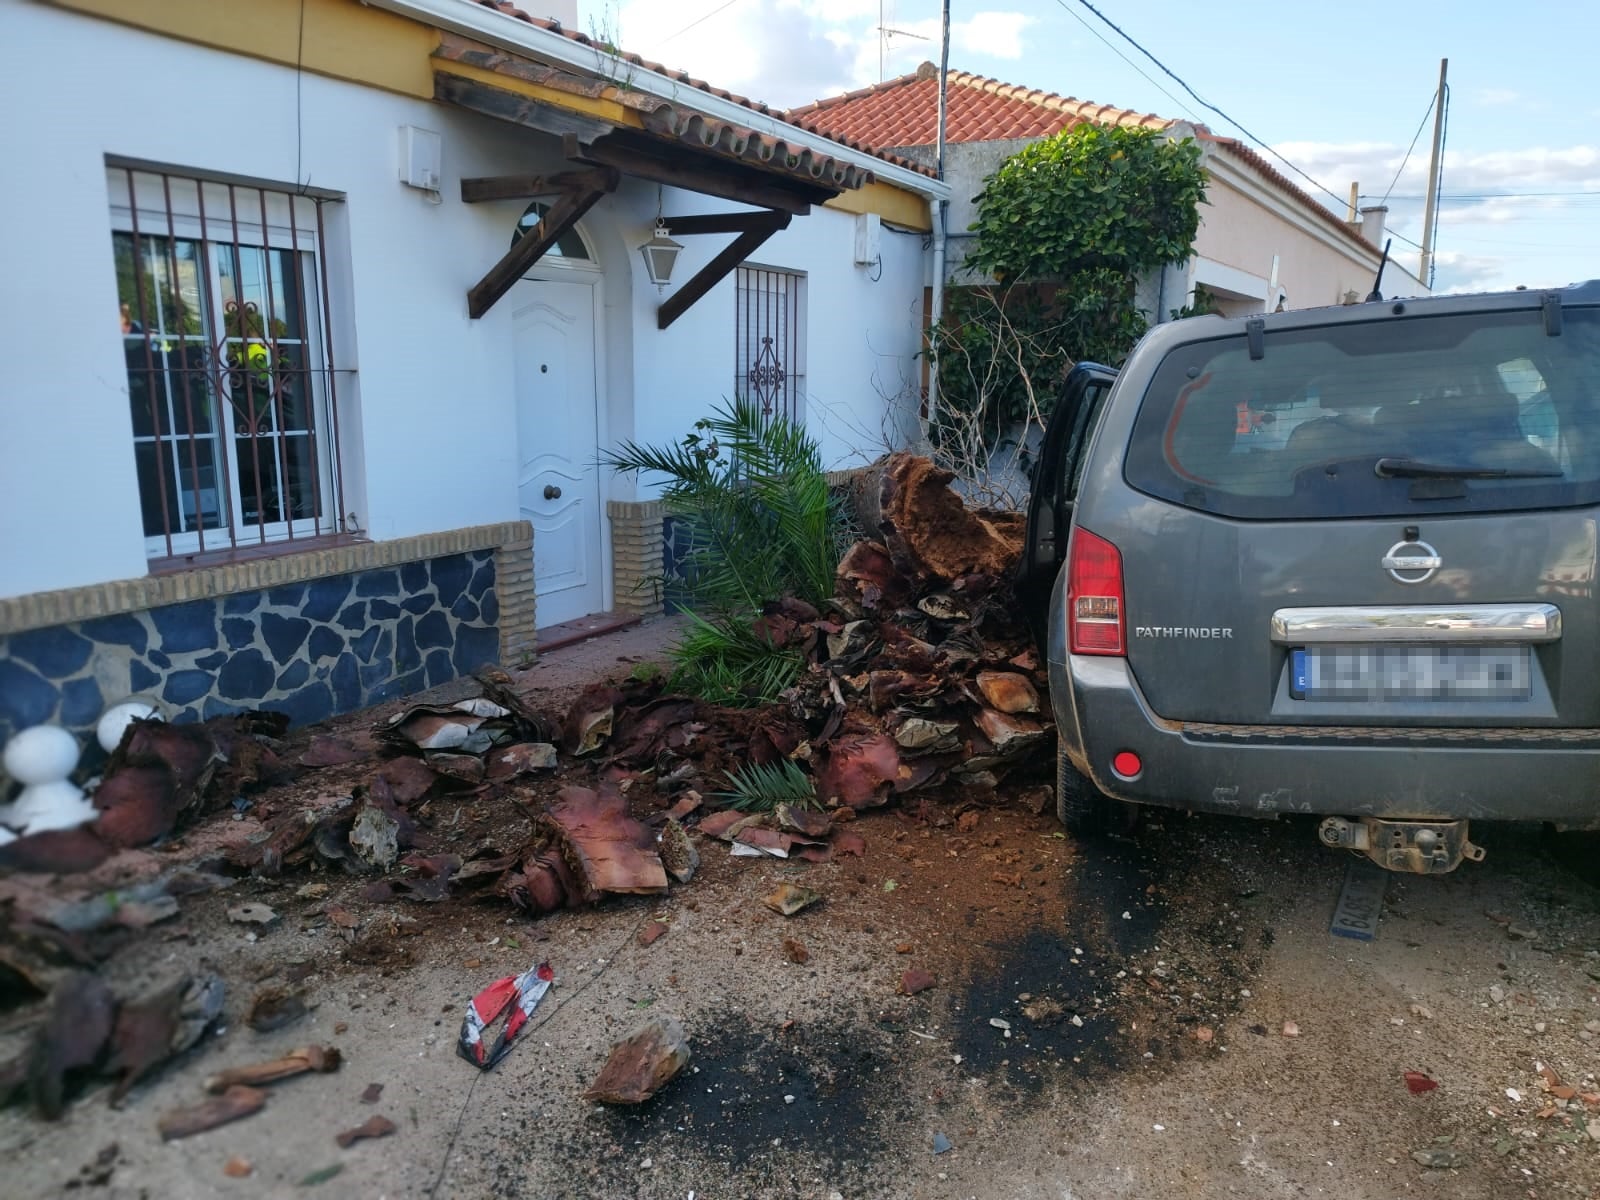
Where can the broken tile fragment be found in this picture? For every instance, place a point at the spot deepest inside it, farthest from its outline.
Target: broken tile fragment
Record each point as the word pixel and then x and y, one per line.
pixel 790 899
pixel 234 1103
pixel 641 1064
pixel 372 1127
pixel 913 981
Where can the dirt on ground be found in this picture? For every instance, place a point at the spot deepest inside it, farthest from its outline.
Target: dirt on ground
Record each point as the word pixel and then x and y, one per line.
pixel 1165 1014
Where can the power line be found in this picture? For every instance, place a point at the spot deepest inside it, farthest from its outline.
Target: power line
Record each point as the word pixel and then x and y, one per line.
pixel 1431 102
pixel 699 21
pixel 1206 104
pixel 1579 194
pixel 1111 46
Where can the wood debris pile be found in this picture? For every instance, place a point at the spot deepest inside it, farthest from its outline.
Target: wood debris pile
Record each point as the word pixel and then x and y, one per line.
pixel 923 667
pixel 919 671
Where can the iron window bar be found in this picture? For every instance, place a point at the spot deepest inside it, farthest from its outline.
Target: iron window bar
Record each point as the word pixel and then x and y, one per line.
pixel 228 336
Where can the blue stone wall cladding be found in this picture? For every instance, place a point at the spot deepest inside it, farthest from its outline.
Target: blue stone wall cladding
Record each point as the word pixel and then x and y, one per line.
pixel 311 650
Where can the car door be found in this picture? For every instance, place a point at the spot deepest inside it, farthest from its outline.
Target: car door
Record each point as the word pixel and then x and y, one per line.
pixel 1057 474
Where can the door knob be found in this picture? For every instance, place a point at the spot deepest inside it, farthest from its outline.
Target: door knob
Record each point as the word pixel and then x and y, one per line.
pixel 552 492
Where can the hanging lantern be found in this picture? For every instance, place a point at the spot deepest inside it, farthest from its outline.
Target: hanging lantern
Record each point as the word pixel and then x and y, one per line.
pixel 660 253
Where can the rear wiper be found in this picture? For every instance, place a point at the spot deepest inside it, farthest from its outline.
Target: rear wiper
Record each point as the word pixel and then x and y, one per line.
pixel 1410 468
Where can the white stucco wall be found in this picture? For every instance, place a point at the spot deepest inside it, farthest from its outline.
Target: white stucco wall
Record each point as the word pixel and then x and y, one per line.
pixel 862 327
pixel 428 416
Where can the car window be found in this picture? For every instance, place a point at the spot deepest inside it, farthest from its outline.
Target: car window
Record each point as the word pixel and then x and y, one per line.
pixel 1088 421
pixel 1508 415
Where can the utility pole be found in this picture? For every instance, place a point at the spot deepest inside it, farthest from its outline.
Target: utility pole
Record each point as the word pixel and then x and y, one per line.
pixel 1430 213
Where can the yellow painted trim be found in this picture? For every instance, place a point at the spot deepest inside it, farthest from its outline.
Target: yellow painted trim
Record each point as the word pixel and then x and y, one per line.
pixel 343 39
pixel 588 106
pixel 890 202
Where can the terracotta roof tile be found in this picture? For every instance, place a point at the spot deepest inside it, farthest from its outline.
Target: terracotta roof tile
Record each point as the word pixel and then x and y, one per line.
pixel 904 111
pixel 1284 184
pixel 811 127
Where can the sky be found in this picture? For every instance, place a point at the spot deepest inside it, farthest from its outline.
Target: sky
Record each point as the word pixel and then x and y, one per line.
pixel 1339 91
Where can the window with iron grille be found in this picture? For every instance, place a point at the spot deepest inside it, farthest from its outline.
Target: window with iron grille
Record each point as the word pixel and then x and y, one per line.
pixel 226 331
pixel 769 341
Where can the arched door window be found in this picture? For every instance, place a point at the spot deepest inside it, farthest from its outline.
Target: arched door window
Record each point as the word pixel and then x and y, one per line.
pixel 570 245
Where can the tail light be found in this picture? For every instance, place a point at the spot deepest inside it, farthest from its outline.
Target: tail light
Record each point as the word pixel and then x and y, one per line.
pixel 1094 597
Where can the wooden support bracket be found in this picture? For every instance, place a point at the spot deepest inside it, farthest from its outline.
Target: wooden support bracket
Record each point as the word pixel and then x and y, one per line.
pixel 745 185
pixel 523 187
pixel 575 200
pixel 744 222
pixel 718 268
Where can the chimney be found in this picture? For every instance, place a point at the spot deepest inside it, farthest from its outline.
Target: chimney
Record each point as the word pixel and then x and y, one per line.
pixel 1372 223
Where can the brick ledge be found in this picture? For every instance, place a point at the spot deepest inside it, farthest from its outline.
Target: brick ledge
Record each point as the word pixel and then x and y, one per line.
pixel 41 609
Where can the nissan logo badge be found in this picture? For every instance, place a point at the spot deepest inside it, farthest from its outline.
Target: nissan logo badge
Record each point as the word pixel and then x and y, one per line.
pixel 1412 562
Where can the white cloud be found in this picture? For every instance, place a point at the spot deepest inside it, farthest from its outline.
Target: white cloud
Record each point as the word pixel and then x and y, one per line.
pixel 1373 165
pixel 1496 96
pixel 788 52
pixel 1498 235
pixel 996 34
pixel 779 54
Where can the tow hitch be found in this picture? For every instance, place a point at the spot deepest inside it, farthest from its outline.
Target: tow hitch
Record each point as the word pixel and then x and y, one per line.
pixel 1419 847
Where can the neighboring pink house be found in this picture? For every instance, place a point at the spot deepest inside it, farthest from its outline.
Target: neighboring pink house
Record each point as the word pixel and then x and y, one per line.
pixel 1263 240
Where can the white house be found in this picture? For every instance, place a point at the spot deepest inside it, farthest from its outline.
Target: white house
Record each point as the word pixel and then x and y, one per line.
pixel 341 441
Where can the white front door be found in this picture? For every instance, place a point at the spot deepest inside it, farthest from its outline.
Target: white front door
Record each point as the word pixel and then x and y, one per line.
pixel 558 479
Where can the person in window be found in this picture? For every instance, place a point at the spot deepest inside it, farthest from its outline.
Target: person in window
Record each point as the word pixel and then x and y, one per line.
pixel 129 325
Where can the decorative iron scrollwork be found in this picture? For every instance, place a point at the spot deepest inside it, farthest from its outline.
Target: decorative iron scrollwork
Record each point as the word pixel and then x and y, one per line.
pixel 767 378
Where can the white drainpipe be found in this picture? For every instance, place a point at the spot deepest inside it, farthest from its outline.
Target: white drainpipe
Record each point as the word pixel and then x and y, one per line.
pixel 938 208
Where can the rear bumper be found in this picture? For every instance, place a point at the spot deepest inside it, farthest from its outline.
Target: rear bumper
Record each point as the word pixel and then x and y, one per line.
pixel 1539 775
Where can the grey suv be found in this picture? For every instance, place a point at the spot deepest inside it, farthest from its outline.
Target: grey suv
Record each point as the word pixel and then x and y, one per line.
pixel 1339 561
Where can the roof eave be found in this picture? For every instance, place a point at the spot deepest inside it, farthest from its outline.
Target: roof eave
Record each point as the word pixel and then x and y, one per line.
pixel 509 33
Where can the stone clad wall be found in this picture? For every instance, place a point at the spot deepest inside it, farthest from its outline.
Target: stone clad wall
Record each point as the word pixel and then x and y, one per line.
pixel 309 649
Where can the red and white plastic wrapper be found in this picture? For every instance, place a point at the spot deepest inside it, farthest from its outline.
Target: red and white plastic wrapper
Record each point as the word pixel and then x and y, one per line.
pixel 515 997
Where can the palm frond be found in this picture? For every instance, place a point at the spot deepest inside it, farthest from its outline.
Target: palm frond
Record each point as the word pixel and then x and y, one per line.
pixel 757 522
pixel 761 788
pixel 724 661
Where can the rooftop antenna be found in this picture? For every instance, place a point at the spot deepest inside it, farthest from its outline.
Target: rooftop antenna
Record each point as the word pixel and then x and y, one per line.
pixel 884 34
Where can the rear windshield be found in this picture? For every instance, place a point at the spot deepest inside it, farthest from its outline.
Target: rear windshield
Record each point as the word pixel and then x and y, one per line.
pixel 1396 417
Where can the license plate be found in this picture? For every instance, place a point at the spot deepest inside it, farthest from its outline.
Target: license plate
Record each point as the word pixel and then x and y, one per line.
pixel 1361 902
pixel 1411 673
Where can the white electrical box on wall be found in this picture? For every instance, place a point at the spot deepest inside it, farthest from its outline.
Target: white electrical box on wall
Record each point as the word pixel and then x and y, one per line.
pixel 869 235
pixel 421 152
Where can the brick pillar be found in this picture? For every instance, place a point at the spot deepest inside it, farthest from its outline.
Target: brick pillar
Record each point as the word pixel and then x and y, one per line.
pixel 513 579
pixel 636 555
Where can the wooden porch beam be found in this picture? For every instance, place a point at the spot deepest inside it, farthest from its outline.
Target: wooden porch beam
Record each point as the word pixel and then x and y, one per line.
pixel 718 268
pixel 720 223
pixel 563 215
pixel 526 187
pixel 695 174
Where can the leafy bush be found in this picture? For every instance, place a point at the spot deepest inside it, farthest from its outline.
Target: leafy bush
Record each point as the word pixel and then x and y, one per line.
pixel 1091 198
pixel 1066 226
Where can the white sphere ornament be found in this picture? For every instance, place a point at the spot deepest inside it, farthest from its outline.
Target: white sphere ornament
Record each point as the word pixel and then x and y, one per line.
pixel 58 805
pixel 41 754
pixel 116 720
